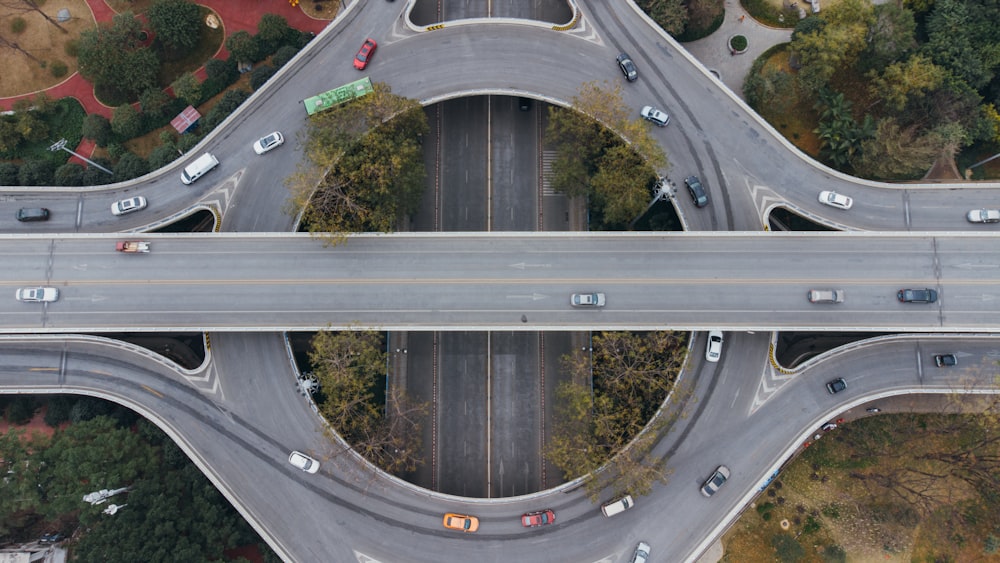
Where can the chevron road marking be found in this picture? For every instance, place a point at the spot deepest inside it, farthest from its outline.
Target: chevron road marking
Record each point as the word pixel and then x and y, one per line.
pixel 770 382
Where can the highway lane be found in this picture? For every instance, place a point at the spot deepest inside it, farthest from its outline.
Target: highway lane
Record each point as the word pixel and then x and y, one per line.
pixel 476 282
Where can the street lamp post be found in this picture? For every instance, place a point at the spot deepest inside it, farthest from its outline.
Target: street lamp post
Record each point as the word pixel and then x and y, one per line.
pixel 61 144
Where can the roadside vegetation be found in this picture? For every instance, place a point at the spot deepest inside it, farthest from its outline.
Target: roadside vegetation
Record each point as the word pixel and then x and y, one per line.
pixel 350 369
pixel 605 155
pixel 171 512
pixel 364 169
pixel 686 21
pixel 886 89
pixel 602 412
pixel 899 487
pixel 132 62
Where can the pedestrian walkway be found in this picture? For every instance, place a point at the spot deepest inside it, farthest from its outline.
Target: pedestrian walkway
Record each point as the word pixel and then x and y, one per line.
pixel 713 51
pixel 235 16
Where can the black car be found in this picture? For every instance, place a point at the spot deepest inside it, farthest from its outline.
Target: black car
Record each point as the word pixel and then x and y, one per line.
pixel 628 67
pixel 945 360
pixel 696 190
pixel 836 386
pixel 916 295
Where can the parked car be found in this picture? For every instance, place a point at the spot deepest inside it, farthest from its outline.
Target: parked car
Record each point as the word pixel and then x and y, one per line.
pixel 365 53
pixel 540 518
pixel 461 522
pixel 128 205
pixel 917 295
pixel 37 294
pixel 303 462
pixel 269 142
pixel 696 190
pixel 836 386
pixel 826 295
pixel 716 481
pixel 714 348
pixel 833 199
pixel 628 67
pixel 945 360
pixel 587 300
pixel 641 554
pixel 655 116
pixel 984 216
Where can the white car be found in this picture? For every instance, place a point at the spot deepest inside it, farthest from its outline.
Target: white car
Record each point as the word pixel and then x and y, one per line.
pixel 587 300
pixel 303 462
pixel 37 294
pixel 833 199
pixel 984 216
pixel 641 554
pixel 267 143
pixel 128 205
pixel 717 480
pixel 714 349
pixel 655 116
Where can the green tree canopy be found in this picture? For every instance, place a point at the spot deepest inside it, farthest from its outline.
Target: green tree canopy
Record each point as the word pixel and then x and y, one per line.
pixel 111 56
pixel 177 24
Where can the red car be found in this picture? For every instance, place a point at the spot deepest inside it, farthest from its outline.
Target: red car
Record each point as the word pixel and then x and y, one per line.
pixel 365 54
pixel 540 518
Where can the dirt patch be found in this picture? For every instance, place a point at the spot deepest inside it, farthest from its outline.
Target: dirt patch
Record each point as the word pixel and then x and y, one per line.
pixel 36 426
pixel 321 10
pixel 43 41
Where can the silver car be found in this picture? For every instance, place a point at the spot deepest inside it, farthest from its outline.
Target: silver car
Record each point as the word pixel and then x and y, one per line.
pixel 587 300
pixel 826 295
pixel 655 116
pixel 716 481
pixel 641 554
pixel 833 199
pixel 984 216
pixel 37 294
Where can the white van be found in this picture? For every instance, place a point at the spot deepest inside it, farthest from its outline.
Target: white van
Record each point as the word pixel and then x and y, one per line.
pixel 617 506
pixel 199 167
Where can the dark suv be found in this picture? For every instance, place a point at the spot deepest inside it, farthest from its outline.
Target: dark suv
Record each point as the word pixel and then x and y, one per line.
pixel 696 190
pixel 628 67
pixel 916 295
pixel 32 214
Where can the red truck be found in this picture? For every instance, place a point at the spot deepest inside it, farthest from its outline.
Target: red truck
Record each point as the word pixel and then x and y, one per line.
pixel 132 246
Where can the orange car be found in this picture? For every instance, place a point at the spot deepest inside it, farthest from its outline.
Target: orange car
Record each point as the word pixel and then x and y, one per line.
pixel 461 522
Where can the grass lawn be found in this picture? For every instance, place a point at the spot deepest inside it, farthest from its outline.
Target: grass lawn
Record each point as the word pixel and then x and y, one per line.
pixel 44 41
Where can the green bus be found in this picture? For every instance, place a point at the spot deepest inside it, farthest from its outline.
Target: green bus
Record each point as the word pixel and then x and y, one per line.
pixel 338 96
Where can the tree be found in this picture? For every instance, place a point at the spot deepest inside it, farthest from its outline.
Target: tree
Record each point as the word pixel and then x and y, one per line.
pixel 903 81
pixel 348 366
pixel 226 105
pixel 31 127
pixel 10 137
pixel 8 174
pixel 221 70
pixel 187 88
pixel 365 167
pixel 273 32
pixel 771 86
pixel 620 186
pixel 243 47
pixel 671 15
pixel 69 174
pixel 112 57
pixel 177 24
pixel 36 172
pixel 895 152
pixel 284 54
pixel 126 122
pixel 261 75
pixel 962 37
pixel 162 156
pixel 97 128
pixel 94 176
pixel 129 166
pixel 891 36
pixel 153 101
pixel 702 13
pixel 833 46
pixel 840 135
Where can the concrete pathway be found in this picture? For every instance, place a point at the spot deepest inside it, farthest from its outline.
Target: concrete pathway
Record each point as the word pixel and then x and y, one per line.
pixel 713 51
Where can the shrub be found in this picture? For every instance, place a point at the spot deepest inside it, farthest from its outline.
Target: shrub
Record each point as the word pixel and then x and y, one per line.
pixel 18 25
pixel 21 409
pixel 69 174
pixel 162 156
pixel 787 549
pixel 261 75
pixel 834 554
pixel 97 128
pixel 58 410
pixel 58 68
pixel 224 70
pixel 272 32
pixel 738 42
pixel 94 176
pixel 129 166
pixel 125 121
pixel 36 172
pixel 8 174
pixel 72 48
pixel 188 141
pixel 244 47
pixel 283 55
pixel 152 101
pixel 116 150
